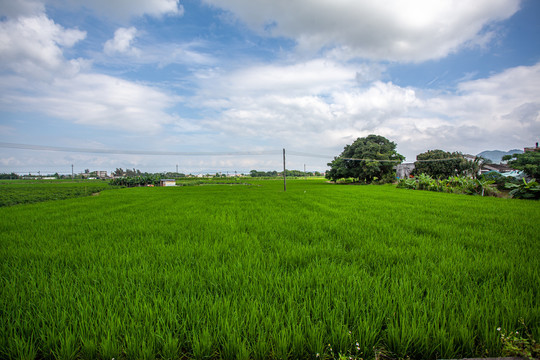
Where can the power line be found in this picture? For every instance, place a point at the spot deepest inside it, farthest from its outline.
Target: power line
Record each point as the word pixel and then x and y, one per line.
pixel 134 152
pixel 191 153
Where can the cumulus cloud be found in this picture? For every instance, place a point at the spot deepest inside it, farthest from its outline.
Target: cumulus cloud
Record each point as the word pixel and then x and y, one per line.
pixel 320 114
pixel 396 30
pixel 126 9
pixel 117 9
pixel 37 77
pixel 310 77
pixel 34 46
pixel 93 100
pixel 122 42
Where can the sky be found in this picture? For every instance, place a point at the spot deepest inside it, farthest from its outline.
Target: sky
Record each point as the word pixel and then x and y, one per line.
pixel 224 85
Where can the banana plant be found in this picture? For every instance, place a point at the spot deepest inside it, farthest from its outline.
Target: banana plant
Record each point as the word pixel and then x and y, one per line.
pixel 526 190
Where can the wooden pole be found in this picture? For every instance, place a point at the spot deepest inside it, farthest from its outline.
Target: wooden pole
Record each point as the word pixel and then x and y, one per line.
pixel 284 173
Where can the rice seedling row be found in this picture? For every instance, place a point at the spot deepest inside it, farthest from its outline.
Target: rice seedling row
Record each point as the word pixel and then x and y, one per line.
pixel 252 272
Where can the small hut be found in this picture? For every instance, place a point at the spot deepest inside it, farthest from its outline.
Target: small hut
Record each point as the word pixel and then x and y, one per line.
pixel 167 182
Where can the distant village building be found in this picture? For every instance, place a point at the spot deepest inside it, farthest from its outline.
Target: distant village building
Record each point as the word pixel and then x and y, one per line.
pixel 500 168
pixel 167 182
pixel 531 148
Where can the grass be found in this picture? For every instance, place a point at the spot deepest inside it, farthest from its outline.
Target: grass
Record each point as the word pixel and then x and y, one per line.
pixel 252 272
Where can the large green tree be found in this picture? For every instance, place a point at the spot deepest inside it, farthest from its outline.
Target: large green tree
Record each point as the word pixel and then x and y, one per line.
pixel 365 160
pixel 529 162
pixel 441 164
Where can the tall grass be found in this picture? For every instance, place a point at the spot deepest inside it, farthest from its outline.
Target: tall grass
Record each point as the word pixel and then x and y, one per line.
pixel 252 272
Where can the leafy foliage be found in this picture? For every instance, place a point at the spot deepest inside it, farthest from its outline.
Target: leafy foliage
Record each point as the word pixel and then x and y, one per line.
pixel 520 344
pixel 131 181
pixel 529 162
pixel 524 190
pixel 372 147
pixel 444 164
pixel 11 176
pixel 454 184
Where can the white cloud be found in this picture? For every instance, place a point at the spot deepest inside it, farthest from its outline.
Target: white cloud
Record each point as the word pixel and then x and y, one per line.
pixel 398 30
pixel 292 106
pixel 126 9
pixel 120 48
pixel 34 46
pixel 117 9
pixel 122 42
pixel 37 77
pixel 95 100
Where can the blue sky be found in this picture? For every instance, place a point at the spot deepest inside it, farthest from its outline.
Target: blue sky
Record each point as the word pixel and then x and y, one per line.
pixel 226 76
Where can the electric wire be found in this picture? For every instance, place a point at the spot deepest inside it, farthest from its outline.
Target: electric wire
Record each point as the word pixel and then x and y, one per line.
pixel 135 152
pixel 194 153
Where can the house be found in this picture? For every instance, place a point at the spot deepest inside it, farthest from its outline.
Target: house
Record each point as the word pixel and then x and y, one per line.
pixel 531 148
pixel 403 171
pixel 500 168
pixel 167 182
pixel 101 174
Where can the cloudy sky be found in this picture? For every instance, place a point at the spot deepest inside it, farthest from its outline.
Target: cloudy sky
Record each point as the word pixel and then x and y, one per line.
pixel 243 79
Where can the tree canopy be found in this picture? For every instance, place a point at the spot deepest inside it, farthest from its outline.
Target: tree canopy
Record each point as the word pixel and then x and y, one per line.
pixel 362 160
pixel 444 164
pixel 529 162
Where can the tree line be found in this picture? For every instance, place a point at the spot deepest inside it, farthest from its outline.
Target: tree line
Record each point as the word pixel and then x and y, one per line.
pixel 373 159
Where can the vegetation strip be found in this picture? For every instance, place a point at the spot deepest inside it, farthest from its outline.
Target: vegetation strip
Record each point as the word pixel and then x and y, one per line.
pixel 14 192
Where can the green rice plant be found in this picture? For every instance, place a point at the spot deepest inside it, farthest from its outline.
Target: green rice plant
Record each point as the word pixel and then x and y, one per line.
pixel 109 347
pixel 202 345
pixel 171 347
pixel 282 345
pixel 68 347
pixel 212 272
pixel 22 348
pixel 261 347
pixel 14 192
pixel 243 352
pixel 89 348
pixel 50 342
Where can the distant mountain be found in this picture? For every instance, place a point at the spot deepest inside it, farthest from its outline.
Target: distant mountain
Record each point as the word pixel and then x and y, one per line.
pixel 496 155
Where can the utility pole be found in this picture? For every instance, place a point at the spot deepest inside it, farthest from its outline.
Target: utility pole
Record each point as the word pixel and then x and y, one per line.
pixel 72 177
pixel 284 173
pixel 177 168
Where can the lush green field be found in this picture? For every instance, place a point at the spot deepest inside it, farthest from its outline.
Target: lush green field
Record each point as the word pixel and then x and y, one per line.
pixel 13 192
pixel 252 272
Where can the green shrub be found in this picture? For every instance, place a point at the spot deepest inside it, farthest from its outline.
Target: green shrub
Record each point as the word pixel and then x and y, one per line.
pixel 454 184
pixel 524 190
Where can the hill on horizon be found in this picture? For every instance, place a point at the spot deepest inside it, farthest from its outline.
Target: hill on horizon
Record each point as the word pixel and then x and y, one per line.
pixel 496 155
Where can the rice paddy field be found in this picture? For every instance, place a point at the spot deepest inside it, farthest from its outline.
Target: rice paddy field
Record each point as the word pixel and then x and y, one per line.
pixel 13 192
pixel 253 272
